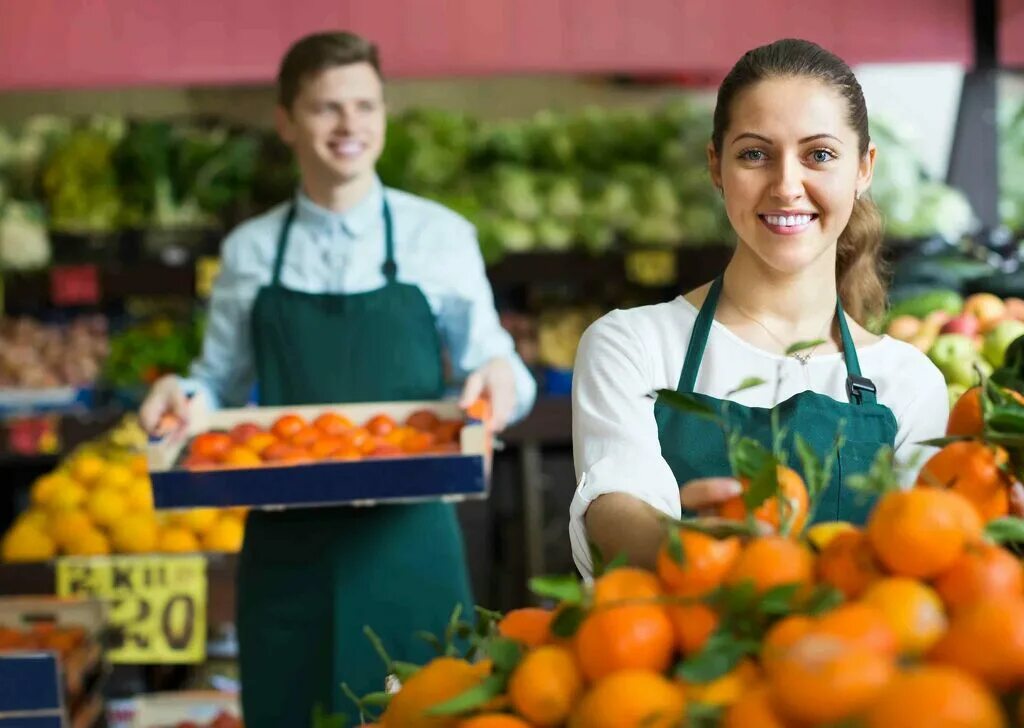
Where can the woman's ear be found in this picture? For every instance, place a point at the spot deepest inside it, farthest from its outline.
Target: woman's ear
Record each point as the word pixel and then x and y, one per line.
pixel 866 169
pixel 714 166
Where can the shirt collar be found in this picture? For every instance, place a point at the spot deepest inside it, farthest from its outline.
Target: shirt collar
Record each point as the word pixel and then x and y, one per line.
pixel 354 222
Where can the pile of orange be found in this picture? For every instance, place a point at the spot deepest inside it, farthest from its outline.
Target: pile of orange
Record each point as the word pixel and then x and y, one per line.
pixel 330 436
pixel 916 619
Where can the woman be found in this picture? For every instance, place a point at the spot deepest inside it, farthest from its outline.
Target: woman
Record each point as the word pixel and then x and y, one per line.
pixel 791 155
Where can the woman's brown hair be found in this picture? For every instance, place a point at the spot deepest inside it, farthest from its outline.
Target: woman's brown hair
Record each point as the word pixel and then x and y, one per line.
pixel 858 265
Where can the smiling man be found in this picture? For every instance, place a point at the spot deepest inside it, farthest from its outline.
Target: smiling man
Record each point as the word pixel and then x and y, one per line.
pixel 349 292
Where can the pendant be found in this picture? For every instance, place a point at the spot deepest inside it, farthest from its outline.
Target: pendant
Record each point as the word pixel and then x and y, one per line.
pixel 802 356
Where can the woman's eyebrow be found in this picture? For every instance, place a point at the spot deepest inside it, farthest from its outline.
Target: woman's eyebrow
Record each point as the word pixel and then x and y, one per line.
pixel 766 140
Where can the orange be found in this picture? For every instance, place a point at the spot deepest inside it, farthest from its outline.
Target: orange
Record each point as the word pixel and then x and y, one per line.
pixel 692 624
pixel 936 697
pixel 346 452
pixel 705 563
pixel 619 638
pixel 913 610
pixel 326 446
pixel 921 532
pixel 358 437
pixel 241 457
pixel 965 417
pixel 529 625
pixel 211 445
pixel 782 635
pixel 380 425
pixel 479 410
pixel 982 570
pixel 448 431
pixel 822 678
pixel 260 442
pixel 286 426
pixel 772 561
pixel 986 639
pixel 243 432
pixel 305 437
pixel 423 420
pixel 754 709
pixel 546 685
pixel 284 452
pixel 793 493
pixel 438 681
pixel 862 624
pixel 494 720
pixel 631 698
pixel 386 450
pixel 726 689
pixel 848 564
pixel 333 424
pixel 627 584
pixel 976 471
pixel 418 442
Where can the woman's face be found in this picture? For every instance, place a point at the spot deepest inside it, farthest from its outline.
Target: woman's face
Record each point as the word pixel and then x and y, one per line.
pixel 790 168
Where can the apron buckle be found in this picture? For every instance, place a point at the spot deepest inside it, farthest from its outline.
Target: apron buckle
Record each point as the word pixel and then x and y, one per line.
pixel 856 385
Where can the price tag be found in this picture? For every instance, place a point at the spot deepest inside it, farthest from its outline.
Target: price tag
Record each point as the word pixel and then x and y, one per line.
pixel 157 604
pixel 207 270
pixel 74 285
pixel 651 267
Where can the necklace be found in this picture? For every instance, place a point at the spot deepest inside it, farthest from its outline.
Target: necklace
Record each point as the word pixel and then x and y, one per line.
pixel 801 356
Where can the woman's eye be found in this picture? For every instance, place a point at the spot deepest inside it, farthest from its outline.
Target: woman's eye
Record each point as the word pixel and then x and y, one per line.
pixel 822 155
pixel 752 155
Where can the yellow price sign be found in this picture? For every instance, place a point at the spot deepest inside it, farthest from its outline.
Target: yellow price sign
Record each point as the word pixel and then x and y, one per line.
pixel 157 604
pixel 207 270
pixel 650 267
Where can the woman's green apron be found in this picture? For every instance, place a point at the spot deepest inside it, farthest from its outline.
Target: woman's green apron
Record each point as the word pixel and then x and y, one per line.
pixel 695 447
pixel 310 579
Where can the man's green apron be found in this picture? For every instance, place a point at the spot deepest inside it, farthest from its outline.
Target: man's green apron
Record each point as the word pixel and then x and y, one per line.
pixel 310 579
pixel 695 447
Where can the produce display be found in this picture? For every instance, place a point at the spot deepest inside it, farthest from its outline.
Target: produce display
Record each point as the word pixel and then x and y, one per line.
pixel 291 440
pixel 99 501
pixel 35 355
pixel 42 636
pixel 964 338
pixel 1011 161
pixel 143 352
pixel 915 619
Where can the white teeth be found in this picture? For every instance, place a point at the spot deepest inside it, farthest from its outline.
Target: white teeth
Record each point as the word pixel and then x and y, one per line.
pixel 787 220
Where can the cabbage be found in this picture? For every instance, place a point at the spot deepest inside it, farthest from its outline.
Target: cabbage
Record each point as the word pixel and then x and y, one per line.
pixel 24 243
pixel 554 234
pixel 564 198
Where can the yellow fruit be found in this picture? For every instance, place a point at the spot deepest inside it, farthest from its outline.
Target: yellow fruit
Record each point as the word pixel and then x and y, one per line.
pixel 115 475
pixel 65 527
pixel 106 506
pixel 820 534
pixel 139 496
pixel 88 543
pixel 240 512
pixel 177 540
pixel 726 689
pixel 225 535
pixel 66 496
pixel 138 465
pixel 45 487
pixel 34 517
pixel 197 520
pixel 136 533
pixel 86 467
pixel 27 543
pixel 913 610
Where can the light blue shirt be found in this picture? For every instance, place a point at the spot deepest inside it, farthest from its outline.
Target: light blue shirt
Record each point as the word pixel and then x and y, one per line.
pixel 329 252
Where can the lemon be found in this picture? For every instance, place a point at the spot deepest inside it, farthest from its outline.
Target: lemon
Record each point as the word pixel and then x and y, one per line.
pixel 177 540
pixel 86 467
pixel 27 543
pixel 67 526
pixel 139 496
pixel 197 520
pixel 115 475
pixel 226 534
pixel 820 534
pixel 106 506
pixel 88 543
pixel 67 496
pixel 136 533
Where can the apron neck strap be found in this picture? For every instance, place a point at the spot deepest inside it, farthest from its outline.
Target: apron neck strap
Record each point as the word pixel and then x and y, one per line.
pixel 282 244
pixel 389 269
pixel 859 389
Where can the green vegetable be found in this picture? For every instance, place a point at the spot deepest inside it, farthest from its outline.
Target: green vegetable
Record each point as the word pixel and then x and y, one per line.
pixel 925 303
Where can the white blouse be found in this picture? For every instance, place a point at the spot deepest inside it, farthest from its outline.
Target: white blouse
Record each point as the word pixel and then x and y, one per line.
pixel 627 355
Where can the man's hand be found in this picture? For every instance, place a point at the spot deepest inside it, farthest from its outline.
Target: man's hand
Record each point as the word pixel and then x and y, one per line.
pixel 496 381
pixel 165 409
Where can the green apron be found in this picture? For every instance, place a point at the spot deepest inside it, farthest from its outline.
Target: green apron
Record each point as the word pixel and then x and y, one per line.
pixel 310 579
pixel 695 447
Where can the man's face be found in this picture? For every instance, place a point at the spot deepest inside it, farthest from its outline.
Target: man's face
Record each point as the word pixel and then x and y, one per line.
pixel 336 124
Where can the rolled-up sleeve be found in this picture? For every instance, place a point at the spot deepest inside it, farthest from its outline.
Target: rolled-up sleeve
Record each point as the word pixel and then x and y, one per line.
pixel 615 436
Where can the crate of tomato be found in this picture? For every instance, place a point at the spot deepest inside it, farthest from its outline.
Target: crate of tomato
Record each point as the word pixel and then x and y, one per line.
pixel 323 455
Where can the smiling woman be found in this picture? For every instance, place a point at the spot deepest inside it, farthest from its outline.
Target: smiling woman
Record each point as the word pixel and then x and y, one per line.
pixel 791 155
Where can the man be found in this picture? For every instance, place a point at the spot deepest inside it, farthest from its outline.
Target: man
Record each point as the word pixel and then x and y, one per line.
pixel 347 293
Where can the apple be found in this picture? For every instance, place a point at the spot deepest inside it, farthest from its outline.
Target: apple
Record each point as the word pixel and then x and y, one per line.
pixel 999 339
pixel 1014 308
pixel 985 306
pixel 966 324
pixel 955 391
pixel 937 319
pixel 904 327
pixel 955 356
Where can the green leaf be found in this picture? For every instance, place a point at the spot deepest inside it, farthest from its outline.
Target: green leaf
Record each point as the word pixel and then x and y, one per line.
pixel 505 654
pixel 720 654
pixel 823 599
pixel 881 478
pixel 748 383
pixel 734 599
pixel 475 697
pixel 617 563
pixel 749 455
pixel 1005 530
pixel 687 403
pixel 431 640
pixel 764 484
pixel 322 719
pixel 803 346
pixel 675 546
pixel 778 600
pixel 404 670
pixel 943 441
pixel 811 466
pixel 568 621
pixel 596 559
pixel 561 588
pixel 377 700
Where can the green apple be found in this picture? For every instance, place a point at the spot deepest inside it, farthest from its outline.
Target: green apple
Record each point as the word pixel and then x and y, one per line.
pixel 955 356
pixel 999 339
